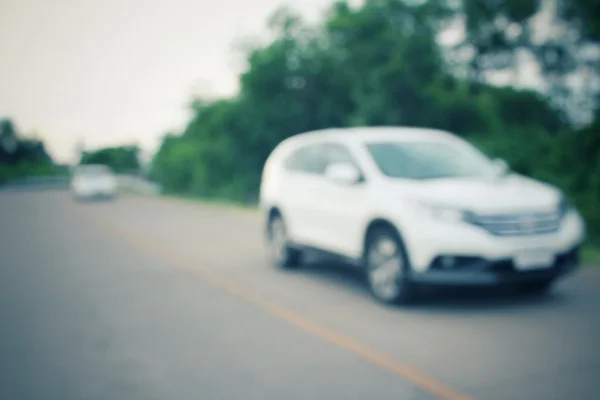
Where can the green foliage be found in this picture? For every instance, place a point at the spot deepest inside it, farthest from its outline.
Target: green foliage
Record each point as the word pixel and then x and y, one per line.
pixel 7 128
pixel 22 158
pixel 123 159
pixel 585 14
pixel 25 169
pixel 498 32
pixel 378 64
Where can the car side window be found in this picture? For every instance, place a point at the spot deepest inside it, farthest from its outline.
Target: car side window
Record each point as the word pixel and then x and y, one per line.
pixel 337 153
pixel 306 159
pixel 333 153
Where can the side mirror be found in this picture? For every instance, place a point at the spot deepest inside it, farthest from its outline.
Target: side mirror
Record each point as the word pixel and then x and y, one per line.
pixel 501 167
pixel 344 173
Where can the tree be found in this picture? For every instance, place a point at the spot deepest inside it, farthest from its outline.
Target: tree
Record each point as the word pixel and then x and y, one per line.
pixel 8 139
pixel 20 157
pixel 124 159
pixel 501 34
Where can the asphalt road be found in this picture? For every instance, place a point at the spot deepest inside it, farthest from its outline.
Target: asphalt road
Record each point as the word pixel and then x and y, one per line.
pixel 150 298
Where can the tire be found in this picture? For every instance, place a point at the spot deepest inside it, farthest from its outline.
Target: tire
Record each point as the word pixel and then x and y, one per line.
pixel 538 287
pixel 386 267
pixel 280 253
pixel 78 198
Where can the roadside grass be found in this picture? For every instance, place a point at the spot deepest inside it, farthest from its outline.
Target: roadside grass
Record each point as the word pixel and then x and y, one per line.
pixel 215 202
pixel 591 255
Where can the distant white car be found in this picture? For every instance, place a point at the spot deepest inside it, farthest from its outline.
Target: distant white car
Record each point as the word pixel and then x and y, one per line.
pixel 415 206
pixel 93 181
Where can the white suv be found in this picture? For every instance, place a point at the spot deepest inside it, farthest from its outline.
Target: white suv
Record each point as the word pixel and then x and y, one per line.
pixel 415 206
pixel 93 181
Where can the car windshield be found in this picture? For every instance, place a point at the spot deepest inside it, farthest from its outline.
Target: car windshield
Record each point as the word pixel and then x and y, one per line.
pixel 93 170
pixel 430 160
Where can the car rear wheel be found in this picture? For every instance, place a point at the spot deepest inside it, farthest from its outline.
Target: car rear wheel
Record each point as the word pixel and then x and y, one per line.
pixel 281 253
pixel 77 197
pixel 386 267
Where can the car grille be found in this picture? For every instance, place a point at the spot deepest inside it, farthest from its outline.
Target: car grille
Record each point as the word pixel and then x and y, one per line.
pixel 524 224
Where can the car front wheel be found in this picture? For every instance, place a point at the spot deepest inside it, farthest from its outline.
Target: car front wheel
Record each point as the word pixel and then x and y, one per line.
pixel 280 252
pixel 386 267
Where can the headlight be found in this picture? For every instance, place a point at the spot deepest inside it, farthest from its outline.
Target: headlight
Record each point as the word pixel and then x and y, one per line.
pixel 564 206
pixel 445 213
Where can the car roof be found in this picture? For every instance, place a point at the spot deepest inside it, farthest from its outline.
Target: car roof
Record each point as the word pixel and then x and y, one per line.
pixel 86 166
pixel 371 134
pixel 92 167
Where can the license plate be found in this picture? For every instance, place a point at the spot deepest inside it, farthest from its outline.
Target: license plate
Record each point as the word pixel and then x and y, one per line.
pixel 534 259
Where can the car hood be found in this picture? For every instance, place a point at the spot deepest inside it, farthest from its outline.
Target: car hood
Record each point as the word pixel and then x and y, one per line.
pixel 95 181
pixel 511 193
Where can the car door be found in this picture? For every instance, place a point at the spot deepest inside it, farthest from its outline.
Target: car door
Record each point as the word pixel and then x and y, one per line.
pixel 303 171
pixel 342 208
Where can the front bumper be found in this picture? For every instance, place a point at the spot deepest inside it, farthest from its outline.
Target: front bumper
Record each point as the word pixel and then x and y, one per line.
pixel 428 239
pixel 476 271
pixel 95 193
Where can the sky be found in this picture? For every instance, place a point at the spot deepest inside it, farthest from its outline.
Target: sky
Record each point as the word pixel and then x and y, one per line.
pixel 113 72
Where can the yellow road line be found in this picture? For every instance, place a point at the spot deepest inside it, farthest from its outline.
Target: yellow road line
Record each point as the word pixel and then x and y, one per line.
pixel 372 356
